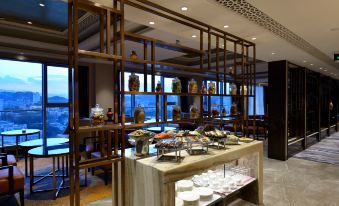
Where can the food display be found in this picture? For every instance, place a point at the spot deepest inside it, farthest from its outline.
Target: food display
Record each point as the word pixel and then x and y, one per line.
pixel 139 115
pixel 216 134
pixel 133 83
pixel 165 135
pixel 176 113
pixel 211 88
pixel 234 109
pixel 192 87
pixel 246 139
pixel 97 116
pixel 169 144
pixel 141 134
pixel 232 139
pixel 203 89
pixel 194 112
pixel 176 85
pixel 142 139
pixel 158 88
pixel 233 89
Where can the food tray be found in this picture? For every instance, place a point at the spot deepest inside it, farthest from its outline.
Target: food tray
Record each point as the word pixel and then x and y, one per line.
pixel 169 147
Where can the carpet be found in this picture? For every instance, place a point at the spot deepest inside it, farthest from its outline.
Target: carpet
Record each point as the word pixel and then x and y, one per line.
pixel 96 189
pixel 325 151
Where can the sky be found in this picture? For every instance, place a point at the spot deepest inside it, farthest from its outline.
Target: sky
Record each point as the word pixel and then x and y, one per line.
pixel 27 76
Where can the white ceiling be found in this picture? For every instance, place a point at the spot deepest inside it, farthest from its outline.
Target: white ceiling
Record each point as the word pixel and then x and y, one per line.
pixel 310 19
pixel 301 17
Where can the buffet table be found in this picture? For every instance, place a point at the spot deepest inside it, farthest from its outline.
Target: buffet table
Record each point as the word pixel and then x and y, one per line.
pixel 152 183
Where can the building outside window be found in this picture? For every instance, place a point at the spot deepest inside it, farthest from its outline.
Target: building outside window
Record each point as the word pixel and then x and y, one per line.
pixel 21 102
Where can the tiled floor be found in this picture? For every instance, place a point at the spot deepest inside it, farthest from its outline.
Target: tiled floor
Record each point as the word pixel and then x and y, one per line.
pixel 295 182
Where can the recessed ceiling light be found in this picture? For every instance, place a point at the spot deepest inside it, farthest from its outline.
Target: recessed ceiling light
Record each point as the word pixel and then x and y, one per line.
pixel 325 70
pixel 194 36
pixel 273 53
pixel 321 68
pixel 305 61
pixel 226 26
pixel 42 5
pixel 29 22
pixel 151 22
pixel 184 8
pixel 332 73
pixel 311 64
pixel 253 38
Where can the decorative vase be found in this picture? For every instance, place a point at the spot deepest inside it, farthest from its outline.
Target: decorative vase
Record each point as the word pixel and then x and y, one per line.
pixel 158 88
pixel 133 55
pixel 109 114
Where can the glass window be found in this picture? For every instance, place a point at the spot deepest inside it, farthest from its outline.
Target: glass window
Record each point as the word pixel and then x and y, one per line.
pixel 20 96
pixel 57 121
pixel 57 84
pixel 260 107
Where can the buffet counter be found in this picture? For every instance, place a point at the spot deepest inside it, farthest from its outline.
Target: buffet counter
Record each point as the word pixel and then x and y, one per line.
pixel 152 183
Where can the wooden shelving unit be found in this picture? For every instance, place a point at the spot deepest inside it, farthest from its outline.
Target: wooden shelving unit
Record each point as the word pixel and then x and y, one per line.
pixel 299 107
pixel 112 49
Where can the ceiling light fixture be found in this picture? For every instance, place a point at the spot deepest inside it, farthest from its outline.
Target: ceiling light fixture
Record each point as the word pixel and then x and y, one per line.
pixel 253 38
pixel 273 53
pixel 151 22
pixel 305 61
pixel 42 5
pixel 321 68
pixel 325 70
pixel 29 22
pixel 311 64
pixel 194 36
pixel 226 26
pixel 184 8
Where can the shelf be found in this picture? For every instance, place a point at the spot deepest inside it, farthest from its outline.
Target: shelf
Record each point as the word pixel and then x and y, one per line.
pixel 98 55
pixel 162 44
pixel 94 7
pixel 295 140
pixel 83 129
pixel 182 94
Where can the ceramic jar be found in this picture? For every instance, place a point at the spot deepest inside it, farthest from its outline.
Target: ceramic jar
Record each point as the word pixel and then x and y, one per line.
pixel 192 86
pixel 176 85
pixel 176 113
pixel 133 83
pixel 211 88
pixel 139 115
pixel 97 116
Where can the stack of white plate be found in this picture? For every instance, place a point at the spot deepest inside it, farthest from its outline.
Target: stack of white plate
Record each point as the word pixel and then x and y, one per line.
pixel 189 198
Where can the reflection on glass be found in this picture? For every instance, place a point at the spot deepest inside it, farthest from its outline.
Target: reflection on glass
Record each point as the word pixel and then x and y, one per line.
pixel 57 121
pixel 57 84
